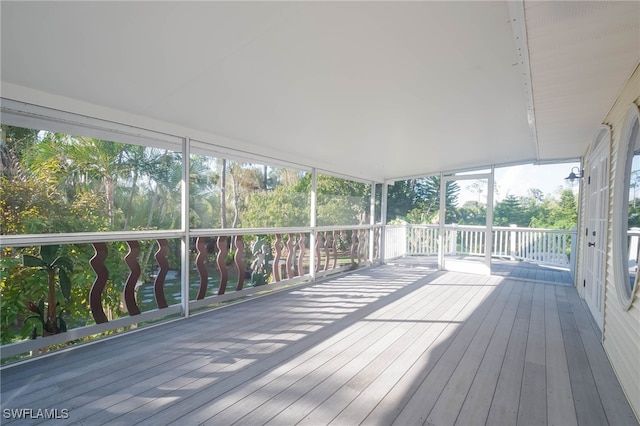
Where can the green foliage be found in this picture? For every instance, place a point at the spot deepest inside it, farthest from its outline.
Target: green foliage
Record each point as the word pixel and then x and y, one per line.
pixel 261 253
pixel 281 207
pixel 511 211
pixel 53 183
pixel 401 199
pixel 54 266
pixel 418 200
pixel 634 215
pixel 472 213
pixel 557 214
pixel 338 201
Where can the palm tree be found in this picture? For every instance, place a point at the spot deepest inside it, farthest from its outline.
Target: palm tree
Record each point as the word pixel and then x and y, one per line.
pixel 60 266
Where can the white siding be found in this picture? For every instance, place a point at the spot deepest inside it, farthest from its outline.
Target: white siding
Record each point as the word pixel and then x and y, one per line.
pixel 621 331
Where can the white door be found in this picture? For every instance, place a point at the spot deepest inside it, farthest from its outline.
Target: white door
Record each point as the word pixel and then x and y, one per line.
pixel 466 249
pixel 595 242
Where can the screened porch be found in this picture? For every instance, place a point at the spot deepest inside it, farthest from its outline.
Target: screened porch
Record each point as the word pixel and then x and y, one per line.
pixel 200 213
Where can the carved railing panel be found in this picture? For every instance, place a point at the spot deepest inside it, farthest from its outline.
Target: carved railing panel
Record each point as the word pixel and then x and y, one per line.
pixel 222 266
pixel 131 259
pixel 102 275
pixel 239 259
pixel 201 249
pixel 290 255
pixel 327 246
pixel 277 246
pixel 301 248
pixel 163 263
pixel 353 247
pixel 319 243
pixel 343 236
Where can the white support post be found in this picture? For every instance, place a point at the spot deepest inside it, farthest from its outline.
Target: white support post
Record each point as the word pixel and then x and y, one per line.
pixel 513 235
pixel 184 267
pixel 453 242
pixel 441 221
pixel 383 220
pixel 372 222
pixel 489 230
pixel 312 220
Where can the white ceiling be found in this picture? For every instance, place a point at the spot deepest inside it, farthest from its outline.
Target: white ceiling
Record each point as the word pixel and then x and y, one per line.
pixel 369 89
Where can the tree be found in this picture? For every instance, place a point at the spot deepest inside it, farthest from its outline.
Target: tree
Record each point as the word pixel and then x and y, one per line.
pixel 558 214
pixel 223 194
pixel 339 201
pixel 419 199
pixel 536 195
pixel 282 207
pixel 478 187
pixel 510 211
pixel 472 213
pixel 428 190
pixel 401 199
pixel 54 266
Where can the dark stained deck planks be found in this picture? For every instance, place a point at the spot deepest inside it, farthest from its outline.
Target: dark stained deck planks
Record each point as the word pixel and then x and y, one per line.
pixel 385 345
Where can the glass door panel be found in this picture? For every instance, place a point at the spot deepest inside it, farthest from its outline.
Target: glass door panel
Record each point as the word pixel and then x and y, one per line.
pixel 466 205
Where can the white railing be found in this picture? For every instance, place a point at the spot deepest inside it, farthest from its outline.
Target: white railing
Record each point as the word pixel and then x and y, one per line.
pixel 395 241
pixel 295 255
pixel 550 246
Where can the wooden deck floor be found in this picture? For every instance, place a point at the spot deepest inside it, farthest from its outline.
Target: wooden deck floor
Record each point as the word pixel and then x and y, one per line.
pixel 380 346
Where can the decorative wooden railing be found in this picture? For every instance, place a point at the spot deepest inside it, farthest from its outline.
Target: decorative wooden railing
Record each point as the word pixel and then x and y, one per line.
pixel 283 258
pixel 550 246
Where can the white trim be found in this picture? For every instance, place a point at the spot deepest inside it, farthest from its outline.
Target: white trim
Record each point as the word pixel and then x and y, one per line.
pixel 346 177
pixel 30 116
pixel 519 28
pixel 199 147
pixel 619 212
pixel 27 240
pixel 496 166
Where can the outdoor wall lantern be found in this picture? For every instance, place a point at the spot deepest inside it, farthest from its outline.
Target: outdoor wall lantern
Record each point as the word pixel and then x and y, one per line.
pixel 576 173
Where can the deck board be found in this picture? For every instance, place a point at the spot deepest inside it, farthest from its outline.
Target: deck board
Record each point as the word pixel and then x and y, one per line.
pixel 589 409
pixel 615 405
pixel 450 401
pixel 560 406
pixel 533 397
pixel 379 346
pixel 475 408
pixel 504 405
